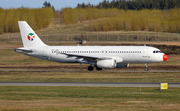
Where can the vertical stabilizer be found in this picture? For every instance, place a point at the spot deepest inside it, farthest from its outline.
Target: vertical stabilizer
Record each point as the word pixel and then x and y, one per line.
pixel 28 36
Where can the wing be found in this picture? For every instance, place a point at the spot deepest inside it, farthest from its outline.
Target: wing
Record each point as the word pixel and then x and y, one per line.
pixel 93 58
pixel 86 57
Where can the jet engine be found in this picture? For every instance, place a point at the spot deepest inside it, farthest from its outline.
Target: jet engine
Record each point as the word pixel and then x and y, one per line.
pixel 120 65
pixel 108 63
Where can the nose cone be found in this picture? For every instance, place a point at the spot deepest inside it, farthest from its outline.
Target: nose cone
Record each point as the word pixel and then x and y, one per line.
pixel 165 57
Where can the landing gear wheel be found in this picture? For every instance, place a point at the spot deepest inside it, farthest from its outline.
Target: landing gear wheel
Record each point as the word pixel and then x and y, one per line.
pixel 146 68
pixel 90 68
pixel 98 69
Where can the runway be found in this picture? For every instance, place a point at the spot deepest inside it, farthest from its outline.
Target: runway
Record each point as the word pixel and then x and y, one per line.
pixel 87 84
pixel 153 71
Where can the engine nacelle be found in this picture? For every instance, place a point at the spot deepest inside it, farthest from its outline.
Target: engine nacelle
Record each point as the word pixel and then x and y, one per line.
pixel 120 65
pixel 108 63
pixel 82 61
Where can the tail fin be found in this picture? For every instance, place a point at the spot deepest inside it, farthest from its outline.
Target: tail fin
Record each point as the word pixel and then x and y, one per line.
pixel 28 36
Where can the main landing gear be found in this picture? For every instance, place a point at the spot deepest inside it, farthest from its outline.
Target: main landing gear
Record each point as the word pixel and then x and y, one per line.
pixel 98 69
pixel 90 68
pixel 146 67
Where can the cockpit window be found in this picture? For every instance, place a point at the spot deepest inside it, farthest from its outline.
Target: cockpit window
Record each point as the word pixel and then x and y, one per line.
pixel 157 51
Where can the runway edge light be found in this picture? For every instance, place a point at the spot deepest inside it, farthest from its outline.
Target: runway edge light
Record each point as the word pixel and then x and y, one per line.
pixel 163 86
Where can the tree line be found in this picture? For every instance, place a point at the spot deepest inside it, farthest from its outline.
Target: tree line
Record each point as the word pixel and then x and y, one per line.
pixel 131 20
pixel 135 4
pixel 36 18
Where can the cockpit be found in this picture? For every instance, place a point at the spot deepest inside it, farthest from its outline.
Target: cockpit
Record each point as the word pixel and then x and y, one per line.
pixel 157 51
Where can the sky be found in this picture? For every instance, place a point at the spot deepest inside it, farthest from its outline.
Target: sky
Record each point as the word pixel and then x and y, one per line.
pixel 58 4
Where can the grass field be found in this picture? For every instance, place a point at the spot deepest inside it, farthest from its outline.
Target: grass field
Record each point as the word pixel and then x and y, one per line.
pixel 88 98
pixel 84 98
pixel 67 76
pixel 10 60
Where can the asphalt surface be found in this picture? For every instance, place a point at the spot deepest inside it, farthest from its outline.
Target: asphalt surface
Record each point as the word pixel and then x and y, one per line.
pixel 87 84
pixel 82 71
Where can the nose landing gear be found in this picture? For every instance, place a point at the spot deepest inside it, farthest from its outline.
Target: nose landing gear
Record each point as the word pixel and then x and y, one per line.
pixel 146 67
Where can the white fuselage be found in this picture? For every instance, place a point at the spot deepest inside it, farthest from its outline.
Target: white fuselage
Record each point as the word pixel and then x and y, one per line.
pixel 128 54
pixel 99 56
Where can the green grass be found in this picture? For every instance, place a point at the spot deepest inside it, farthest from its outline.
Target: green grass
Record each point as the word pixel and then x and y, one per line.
pixel 89 77
pixel 88 98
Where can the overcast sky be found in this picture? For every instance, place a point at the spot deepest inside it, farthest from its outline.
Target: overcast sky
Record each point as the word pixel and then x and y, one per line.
pixel 58 4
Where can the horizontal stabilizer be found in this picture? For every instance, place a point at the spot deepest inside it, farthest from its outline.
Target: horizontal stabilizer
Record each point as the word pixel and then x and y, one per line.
pixel 23 50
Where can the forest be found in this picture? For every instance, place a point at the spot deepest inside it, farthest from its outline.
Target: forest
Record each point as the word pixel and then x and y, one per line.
pixel 135 4
pixel 131 20
pixel 126 15
pixel 36 18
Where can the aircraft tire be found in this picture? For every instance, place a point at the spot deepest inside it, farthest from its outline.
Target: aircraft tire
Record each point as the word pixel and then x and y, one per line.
pixel 98 69
pixel 90 68
pixel 146 69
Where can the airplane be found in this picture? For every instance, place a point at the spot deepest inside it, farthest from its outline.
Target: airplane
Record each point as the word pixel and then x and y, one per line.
pixel 97 56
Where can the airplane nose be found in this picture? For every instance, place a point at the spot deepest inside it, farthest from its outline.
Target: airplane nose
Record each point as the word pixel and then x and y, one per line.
pixel 165 57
